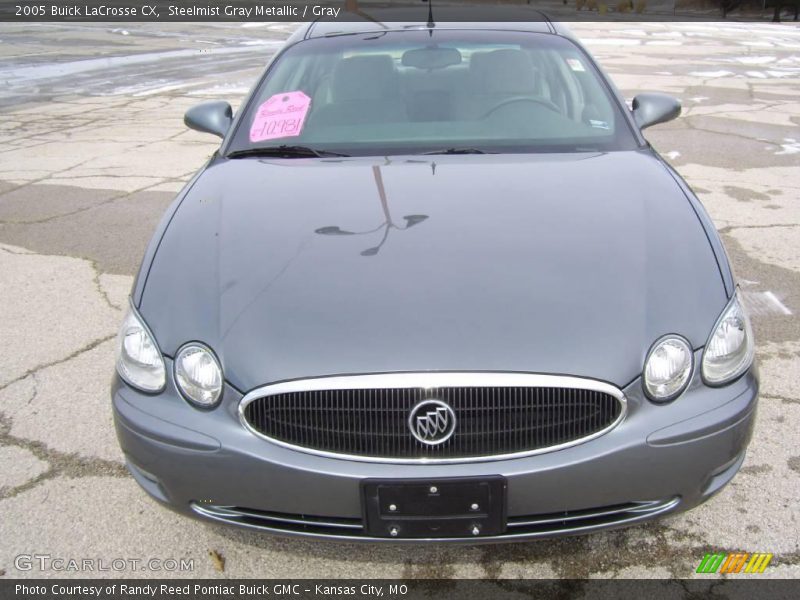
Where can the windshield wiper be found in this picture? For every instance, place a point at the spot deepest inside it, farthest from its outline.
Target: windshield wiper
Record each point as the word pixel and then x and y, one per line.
pixel 458 151
pixel 285 151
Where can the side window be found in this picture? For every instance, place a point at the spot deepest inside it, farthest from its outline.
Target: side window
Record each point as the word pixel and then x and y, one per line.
pixel 598 115
pixel 280 78
pixel 311 75
pixel 568 72
pixel 316 79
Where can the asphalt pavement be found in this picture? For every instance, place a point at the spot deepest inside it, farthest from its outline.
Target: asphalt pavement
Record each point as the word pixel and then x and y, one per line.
pixel 93 149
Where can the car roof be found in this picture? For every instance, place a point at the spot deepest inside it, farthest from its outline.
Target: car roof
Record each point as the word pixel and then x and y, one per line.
pixel 405 19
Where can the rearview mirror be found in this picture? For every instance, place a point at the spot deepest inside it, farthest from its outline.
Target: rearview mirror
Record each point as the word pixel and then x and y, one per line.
pixel 210 117
pixel 654 108
pixel 432 57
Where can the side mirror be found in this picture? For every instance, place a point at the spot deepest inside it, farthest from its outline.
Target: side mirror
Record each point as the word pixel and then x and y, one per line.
pixel 210 117
pixel 653 108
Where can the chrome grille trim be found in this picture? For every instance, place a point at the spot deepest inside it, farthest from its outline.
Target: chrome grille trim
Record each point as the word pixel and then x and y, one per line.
pixel 630 509
pixel 234 512
pixel 436 379
pixel 518 528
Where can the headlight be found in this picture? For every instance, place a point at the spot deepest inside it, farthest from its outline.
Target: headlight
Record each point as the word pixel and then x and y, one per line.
pixel 139 361
pixel 198 375
pixel 730 349
pixel 668 368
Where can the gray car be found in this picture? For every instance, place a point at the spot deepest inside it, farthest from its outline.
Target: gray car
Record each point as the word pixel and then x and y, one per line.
pixel 434 285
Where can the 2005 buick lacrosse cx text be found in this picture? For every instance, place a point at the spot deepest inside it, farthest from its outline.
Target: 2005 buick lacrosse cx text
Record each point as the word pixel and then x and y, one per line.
pixel 434 285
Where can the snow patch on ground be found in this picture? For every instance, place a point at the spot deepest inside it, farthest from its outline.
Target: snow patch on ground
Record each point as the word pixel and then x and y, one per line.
pixel 755 60
pixel 789 146
pixel 711 74
pixel 611 42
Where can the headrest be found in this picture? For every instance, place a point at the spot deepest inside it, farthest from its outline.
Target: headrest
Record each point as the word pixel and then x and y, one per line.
pixel 507 71
pixel 364 78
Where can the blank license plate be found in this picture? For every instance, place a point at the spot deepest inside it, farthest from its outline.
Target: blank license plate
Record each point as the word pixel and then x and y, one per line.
pixel 417 508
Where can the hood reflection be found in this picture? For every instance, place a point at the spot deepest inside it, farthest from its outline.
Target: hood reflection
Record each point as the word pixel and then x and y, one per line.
pixel 387 225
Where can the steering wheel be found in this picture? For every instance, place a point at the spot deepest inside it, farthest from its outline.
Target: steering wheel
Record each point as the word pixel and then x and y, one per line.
pixel 540 101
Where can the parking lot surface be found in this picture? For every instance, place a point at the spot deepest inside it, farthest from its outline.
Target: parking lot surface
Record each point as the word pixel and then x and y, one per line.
pixel 93 149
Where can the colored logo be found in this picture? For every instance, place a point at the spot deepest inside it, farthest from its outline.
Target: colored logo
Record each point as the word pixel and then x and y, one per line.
pixel 432 422
pixel 734 562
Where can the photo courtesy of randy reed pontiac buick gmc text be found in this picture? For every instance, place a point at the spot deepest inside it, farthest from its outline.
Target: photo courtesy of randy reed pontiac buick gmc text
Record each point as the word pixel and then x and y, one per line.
pixel 434 285
pixel 207 590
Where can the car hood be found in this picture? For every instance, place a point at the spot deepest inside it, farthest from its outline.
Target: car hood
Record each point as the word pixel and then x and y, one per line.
pixel 572 264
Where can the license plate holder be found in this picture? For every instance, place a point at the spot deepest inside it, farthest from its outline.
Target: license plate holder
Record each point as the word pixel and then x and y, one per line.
pixel 468 507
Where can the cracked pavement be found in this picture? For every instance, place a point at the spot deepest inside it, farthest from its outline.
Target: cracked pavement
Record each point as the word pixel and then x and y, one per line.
pixel 94 149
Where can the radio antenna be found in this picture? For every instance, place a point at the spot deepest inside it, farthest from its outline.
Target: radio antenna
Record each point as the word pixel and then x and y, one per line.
pixel 431 24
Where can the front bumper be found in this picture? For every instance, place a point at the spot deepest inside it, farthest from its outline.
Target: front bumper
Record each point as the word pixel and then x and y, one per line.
pixel 661 459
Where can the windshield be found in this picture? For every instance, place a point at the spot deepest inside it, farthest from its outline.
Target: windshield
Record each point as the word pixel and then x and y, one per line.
pixel 411 92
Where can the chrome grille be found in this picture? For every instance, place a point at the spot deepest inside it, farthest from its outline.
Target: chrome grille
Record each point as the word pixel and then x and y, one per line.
pixel 367 416
pixel 528 526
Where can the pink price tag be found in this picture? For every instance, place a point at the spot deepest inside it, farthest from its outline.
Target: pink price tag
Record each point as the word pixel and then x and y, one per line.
pixel 282 115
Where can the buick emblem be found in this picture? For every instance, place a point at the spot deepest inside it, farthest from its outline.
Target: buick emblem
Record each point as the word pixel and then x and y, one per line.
pixel 432 422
